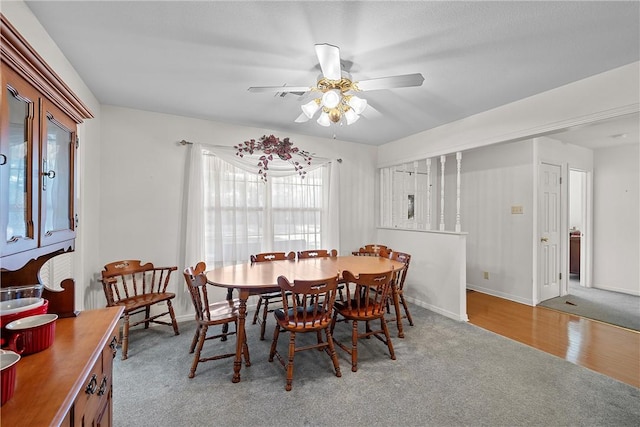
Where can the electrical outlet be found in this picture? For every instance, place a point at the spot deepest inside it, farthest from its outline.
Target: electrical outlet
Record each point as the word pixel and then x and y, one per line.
pixel 486 275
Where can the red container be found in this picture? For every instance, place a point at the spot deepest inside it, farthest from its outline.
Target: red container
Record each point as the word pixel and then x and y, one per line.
pixel 34 306
pixel 8 360
pixel 36 332
pixel 7 316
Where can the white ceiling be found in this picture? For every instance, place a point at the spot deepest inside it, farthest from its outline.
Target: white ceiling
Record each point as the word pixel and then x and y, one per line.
pixel 197 59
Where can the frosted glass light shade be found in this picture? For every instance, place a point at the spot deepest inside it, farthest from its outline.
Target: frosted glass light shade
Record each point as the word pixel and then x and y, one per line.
pixel 358 104
pixel 331 99
pixel 351 116
pixel 310 108
pixel 324 120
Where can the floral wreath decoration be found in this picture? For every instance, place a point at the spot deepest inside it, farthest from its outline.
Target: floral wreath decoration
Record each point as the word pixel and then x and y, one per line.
pixel 270 146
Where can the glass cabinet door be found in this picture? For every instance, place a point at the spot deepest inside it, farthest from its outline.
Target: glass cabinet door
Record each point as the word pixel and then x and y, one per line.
pixel 18 152
pixel 57 183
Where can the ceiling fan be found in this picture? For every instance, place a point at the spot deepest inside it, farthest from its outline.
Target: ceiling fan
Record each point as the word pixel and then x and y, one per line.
pixel 335 91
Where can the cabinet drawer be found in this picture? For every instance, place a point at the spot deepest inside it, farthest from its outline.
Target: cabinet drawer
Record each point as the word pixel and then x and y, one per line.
pixel 97 387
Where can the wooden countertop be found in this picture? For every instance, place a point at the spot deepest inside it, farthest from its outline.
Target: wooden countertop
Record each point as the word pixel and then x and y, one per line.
pixel 48 382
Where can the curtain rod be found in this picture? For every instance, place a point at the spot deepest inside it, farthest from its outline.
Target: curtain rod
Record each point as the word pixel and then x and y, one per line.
pixel 185 142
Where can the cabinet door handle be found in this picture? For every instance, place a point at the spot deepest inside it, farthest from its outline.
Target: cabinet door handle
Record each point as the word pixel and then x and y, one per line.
pixel 103 386
pixel 92 386
pixel 4 159
pixel 113 345
pixel 50 174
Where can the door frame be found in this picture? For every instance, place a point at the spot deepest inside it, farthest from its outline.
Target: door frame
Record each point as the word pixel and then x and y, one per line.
pixel 563 215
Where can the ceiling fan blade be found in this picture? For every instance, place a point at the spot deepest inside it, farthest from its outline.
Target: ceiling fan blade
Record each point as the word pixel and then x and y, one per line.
pixel 404 80
pixel 279 89
pixel 302 118
pixel 371 113
pixel 329 58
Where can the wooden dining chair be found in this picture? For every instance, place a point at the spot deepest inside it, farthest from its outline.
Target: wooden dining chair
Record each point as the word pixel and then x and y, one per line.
pixel 397 292
pixel 322 253
pixel 137 287
pixel 317 253
pixel 372 250
pixel 366 299
pixel 307 306
pixel 267 298
pixel 209 314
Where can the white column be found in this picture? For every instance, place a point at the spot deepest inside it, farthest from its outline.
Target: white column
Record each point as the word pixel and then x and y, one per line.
pixel 459 163
pixel 443 160
pixel 416 199
pixel 405 199
pixel 428 194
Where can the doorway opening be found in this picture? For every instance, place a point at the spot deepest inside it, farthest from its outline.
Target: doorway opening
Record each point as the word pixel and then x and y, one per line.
pixel 578 229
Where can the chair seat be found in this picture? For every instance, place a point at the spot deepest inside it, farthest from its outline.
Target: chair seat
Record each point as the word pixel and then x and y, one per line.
pixel 223 310
pixel 319 320
pixel 139 301
pixel 354 312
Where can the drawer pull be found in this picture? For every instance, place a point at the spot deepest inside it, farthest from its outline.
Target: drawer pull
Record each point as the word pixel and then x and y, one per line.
pixel 113 345
pixel 93 385
pixel 103 386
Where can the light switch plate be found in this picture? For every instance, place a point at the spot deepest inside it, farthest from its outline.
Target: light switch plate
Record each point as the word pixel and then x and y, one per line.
pixel 517 210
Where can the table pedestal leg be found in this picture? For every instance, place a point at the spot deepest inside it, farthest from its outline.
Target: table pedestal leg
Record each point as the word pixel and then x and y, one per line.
pixel 240 337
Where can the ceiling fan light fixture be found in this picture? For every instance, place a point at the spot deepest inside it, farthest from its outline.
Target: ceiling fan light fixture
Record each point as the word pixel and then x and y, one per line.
pixel 311 107
pixel 323 120
pixel 335 115
pixel 331 99
pixel 358 104
pixel 351 116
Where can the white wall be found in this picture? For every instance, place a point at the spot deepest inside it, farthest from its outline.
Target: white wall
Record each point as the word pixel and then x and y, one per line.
pixel 575 199
pixel 143 178
pixel 616 254
pixel 499 243
pixel 436 278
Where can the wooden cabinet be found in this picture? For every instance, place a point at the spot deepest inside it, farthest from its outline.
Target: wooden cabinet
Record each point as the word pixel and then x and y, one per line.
pixel 70 383
pixel 574 254
pixel 38 139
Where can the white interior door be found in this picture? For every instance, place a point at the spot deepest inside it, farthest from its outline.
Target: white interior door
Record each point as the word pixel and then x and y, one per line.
pixel 549 231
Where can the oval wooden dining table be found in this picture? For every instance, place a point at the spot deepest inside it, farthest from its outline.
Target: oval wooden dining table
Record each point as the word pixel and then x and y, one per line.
pixel 252 279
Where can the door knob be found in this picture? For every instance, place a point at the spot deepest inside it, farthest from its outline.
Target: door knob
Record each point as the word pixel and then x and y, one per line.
pixel 544 239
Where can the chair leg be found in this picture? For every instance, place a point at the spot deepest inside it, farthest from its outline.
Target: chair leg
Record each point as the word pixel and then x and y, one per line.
pixel 196 357
pixel 257 312
pixel 406 309
pixel 292 352
pixel 147 314
pixel 195 339
pixel 174 323
pixel 332 353
pixel 276 334
pixel 245 352
pixel 385 329
pixel 125 337
pixel 265 312
pixel 354 347
pixel 396 307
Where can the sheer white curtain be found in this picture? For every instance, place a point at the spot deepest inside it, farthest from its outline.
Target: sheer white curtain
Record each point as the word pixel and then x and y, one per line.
pixel 232 213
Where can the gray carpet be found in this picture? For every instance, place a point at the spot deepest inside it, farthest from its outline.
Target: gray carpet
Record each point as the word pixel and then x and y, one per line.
pixel 606 306
pixel 447 373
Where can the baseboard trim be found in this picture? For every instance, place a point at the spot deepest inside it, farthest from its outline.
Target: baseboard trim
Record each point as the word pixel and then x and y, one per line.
pixel 503 295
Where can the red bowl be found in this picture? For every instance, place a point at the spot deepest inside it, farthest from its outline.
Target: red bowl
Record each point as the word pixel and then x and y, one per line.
pixel 31 310
pixel 36 332
pixel 8 360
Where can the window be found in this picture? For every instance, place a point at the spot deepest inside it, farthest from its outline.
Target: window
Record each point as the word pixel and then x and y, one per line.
pixel 244 215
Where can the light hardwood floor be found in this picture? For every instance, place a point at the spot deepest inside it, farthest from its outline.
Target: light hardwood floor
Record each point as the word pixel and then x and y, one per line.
pixel 601 347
